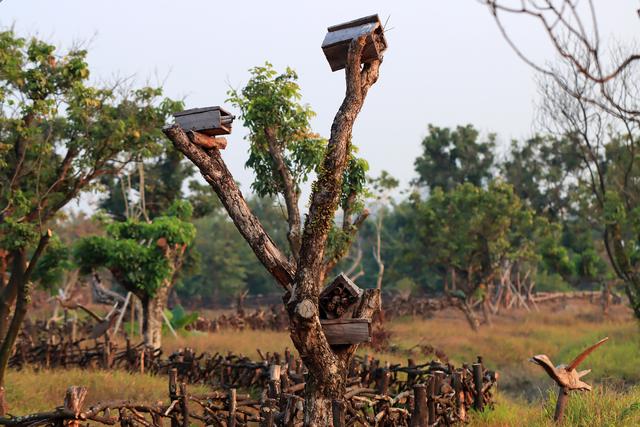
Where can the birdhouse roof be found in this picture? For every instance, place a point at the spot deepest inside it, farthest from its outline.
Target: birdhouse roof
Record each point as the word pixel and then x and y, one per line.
pixel 223 112
pixel 350 30
pixel 344 281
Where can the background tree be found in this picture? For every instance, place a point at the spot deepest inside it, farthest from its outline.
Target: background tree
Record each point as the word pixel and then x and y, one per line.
pixel 144 259
pixel 469 231
pixel 58 136
pixel 382 186
pixel 303 279
pixel 588 94
pixel 452 157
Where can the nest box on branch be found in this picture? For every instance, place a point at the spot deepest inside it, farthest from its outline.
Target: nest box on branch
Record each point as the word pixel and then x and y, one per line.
pixel 336 42
pixel 204 124
pixel 338 302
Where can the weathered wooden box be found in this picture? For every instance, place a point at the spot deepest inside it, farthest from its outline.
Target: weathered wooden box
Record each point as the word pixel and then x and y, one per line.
pixel 336 42
pixel 208 120
pixel 346 331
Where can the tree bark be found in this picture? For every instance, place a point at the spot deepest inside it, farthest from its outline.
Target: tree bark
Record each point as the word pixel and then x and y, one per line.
pixel 290 191
pixel 23 273
pixel 152 316
pixel 215 172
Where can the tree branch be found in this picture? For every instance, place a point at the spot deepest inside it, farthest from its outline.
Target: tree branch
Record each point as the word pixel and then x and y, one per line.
pixel 215 172
pixel 291 193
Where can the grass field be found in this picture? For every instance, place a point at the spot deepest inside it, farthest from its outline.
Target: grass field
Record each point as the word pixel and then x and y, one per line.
pixel 525 395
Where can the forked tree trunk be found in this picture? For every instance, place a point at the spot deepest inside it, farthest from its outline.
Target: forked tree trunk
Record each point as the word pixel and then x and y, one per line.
pixel 303 281
pixel 152 317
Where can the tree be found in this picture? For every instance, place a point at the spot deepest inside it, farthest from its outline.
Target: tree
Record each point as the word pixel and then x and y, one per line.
pixel 382 187
pixel 58 136
pixel 471 231
pixel 157 182
pixel 452 157
pixel 543 171
pixel 303 277
pixel 283 152
pixel 144 259
pixel 588 94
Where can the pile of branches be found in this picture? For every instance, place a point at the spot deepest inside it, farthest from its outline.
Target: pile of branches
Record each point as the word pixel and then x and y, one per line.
pixel 430 394
pixel 274 319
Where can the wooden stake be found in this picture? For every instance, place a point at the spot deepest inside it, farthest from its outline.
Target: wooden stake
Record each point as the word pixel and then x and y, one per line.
pixel 339 413
pixel 419 414
pixel 563 399
pixel 477 382
pixel 231 421
pixel 73 401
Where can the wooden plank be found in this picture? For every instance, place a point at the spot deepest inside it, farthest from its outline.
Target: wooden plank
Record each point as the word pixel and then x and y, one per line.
pixel 206 141
pixel 346 331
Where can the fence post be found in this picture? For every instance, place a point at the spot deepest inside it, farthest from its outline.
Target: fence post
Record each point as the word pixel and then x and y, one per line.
pixel 274 381
pixel 231 422
pixel 73 401
pixel 563 399
pixel 411 375
pixel 419 414
pixel 173 393
pixel 431 403
pixel 267 415
pixel 477 382
pixel 456 382
pixel 185 405
pixel 339 410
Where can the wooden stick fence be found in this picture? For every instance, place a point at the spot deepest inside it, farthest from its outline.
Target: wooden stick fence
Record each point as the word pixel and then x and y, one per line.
pixel 431 393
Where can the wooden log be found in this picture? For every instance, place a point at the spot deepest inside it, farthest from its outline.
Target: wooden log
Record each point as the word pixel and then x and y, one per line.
pixel 206 141
pixel 478 402
pixel 419 414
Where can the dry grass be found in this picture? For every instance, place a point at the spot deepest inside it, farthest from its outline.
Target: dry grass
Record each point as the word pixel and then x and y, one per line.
pixel 31 391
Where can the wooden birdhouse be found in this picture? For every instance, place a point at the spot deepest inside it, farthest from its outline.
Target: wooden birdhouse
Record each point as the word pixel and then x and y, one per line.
pixel 339 298
pixel 336 42
pixel 210 121
pixel 337 304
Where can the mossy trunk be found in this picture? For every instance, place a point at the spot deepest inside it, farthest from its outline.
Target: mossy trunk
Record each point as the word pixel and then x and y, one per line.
pixel 152 317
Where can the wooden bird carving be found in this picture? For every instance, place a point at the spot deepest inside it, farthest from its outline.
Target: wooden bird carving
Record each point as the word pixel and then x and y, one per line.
pixel 566 376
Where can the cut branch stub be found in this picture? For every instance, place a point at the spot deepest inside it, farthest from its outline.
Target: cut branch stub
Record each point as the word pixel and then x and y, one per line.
pixel 306 309
pixel 206 141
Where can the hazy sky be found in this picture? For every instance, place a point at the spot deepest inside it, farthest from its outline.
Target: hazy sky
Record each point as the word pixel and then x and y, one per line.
pixel 446 63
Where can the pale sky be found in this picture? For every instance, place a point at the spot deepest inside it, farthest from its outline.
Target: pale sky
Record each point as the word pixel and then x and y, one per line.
pixel 446 63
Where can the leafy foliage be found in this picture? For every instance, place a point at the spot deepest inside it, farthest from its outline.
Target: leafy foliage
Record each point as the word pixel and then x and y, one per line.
pixel 136 252
pixel 452 157
pixel 269 103
pixel 59 134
